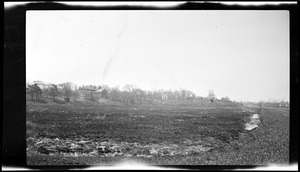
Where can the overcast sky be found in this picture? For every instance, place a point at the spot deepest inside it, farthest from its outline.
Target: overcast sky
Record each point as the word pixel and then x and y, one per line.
pixel 240 54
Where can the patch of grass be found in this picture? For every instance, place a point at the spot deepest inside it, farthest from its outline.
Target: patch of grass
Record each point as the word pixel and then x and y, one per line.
pixel 31 129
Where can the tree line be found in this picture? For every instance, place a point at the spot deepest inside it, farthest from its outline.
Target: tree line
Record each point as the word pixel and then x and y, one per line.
pixel 128 94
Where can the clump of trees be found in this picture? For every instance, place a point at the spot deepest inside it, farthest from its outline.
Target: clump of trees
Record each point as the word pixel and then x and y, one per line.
pixel 225 99
pixel 49 91
pixel 52 91
pixel 34 91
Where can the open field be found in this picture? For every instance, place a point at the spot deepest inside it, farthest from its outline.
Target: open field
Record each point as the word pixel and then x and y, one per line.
pixel 81 133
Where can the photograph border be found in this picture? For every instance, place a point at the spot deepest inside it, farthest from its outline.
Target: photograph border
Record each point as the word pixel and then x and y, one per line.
pixel 14 111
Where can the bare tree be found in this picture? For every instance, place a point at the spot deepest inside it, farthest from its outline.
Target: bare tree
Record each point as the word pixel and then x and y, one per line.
pixel 127 94
pixel 66 90
pixel 189 95
pixel 115 94
pixel 128 88
pixel 43 86
pixel 149 96
pixel 138 94
pixel 34 90
pixel 75 93
pixel 211 95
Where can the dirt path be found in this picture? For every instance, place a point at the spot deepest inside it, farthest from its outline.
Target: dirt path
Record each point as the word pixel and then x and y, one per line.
pixel 283 112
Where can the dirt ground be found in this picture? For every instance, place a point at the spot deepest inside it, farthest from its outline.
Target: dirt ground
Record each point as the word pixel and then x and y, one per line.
pixel 105 134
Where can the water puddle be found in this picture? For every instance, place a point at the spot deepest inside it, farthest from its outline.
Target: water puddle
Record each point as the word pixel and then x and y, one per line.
pixel 252 122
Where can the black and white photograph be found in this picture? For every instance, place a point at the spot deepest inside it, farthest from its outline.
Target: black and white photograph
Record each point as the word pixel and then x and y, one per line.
pixel 157 87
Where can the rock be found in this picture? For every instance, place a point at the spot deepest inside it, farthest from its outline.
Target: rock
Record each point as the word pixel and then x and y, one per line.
pixel 105 143
pixel 103 150
pixel 80 150
pixel 153 151
pixel 87 150
pixel 81 144
pixel 146 152
pixel 43 150
pixel 63 149
pixel 127 155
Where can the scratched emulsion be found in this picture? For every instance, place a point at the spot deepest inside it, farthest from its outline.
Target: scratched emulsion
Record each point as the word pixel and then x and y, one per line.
pixel 106 70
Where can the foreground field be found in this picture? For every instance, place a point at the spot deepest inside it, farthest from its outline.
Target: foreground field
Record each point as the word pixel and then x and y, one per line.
pixel 93 134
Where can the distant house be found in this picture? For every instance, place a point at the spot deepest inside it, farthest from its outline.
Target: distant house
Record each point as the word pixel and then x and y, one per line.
pixel 92 92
